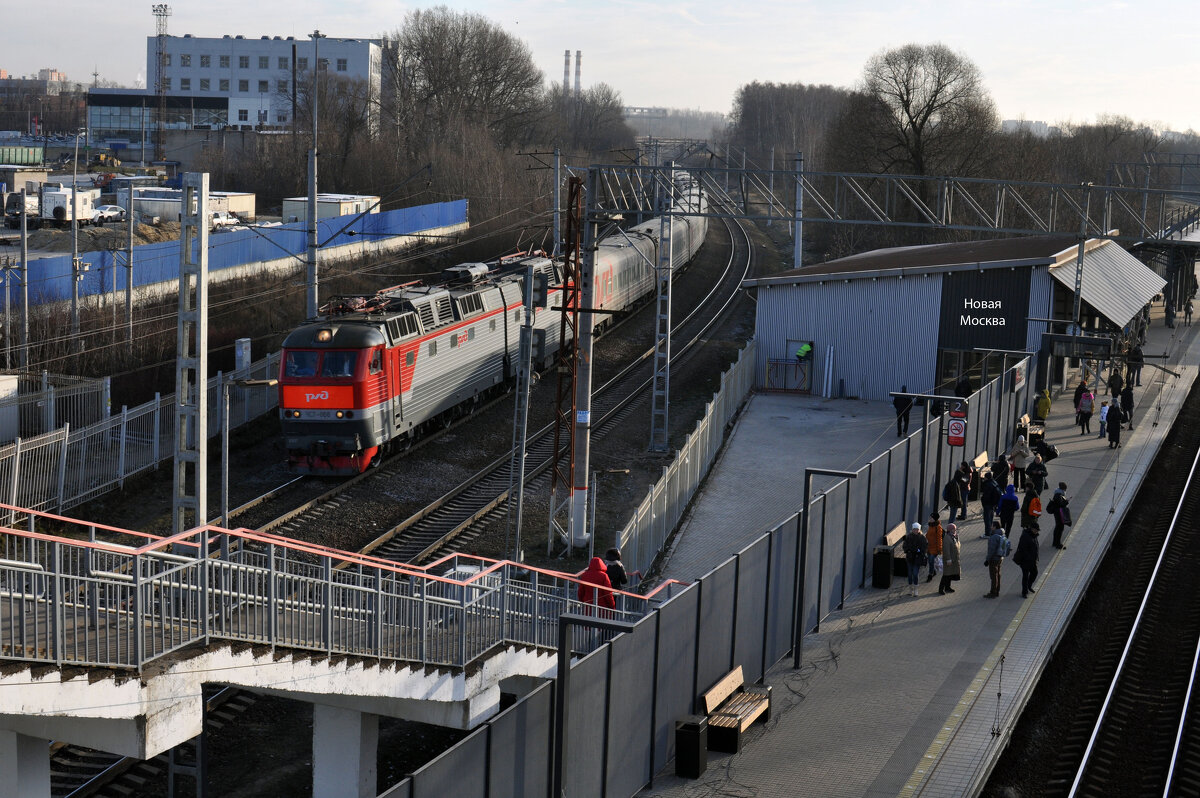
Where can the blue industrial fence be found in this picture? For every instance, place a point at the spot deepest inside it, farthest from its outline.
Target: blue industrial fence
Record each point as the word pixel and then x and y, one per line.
pixel 50 278
pixel 626 696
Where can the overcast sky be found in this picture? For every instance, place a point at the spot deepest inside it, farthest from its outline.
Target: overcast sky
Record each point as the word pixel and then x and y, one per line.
pixel 1051 60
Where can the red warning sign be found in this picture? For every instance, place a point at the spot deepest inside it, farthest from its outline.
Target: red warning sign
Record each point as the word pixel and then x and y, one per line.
pixel 957 432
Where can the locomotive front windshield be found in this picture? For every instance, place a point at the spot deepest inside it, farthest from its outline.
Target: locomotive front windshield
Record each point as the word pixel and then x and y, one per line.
pixel 328 364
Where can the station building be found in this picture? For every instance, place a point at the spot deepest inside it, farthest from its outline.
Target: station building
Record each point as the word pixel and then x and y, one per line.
pixel 923 316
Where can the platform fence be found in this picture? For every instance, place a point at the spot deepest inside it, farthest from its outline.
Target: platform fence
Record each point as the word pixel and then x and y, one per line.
pixel 626 697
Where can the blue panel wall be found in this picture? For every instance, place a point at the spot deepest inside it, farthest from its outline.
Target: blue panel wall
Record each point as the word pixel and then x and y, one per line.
pixel 675 677
pixel 751 609
pixel 521 746
pixel 50 278
pixel 716 632
pixel 629 701
pixel 458 772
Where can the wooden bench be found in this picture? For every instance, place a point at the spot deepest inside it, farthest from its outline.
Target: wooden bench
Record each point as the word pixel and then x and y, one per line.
pixel 1032 430
pixel 731 706
pixel 894 540
pixel 983 467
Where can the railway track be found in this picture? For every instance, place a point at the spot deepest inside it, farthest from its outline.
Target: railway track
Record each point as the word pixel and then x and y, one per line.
pixel 430 531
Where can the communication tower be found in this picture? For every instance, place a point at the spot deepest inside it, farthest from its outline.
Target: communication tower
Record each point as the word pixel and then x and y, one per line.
pixel 161 12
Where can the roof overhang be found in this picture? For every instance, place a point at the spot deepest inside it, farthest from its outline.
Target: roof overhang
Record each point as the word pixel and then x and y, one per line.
pixel 1115 283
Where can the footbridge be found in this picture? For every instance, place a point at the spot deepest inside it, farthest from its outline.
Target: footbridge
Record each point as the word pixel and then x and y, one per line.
pixel 108 635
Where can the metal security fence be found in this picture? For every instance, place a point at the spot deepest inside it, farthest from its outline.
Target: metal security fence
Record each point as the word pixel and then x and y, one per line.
pixel 120 599
pixel 657 516
pixel 71 465
pixel 44 402
pixel 625 697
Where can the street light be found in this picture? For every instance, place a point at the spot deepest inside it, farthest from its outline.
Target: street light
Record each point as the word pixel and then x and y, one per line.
pixel 225 449
pixel 802 560
pixel 76 272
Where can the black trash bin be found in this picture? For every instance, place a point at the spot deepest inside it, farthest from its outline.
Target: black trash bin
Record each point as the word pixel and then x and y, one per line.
pixel 691 746
pixel 881 567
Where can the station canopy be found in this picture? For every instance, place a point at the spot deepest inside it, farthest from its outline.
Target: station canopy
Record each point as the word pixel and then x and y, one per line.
pixel 1114 282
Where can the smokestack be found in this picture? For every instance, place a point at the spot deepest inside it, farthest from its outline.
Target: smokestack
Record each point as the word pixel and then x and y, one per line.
pixel 566 76
pixel 578 59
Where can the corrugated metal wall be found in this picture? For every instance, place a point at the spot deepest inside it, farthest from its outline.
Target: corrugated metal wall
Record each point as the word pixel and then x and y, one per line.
pixel 50 278
pixel 1041 306
pixel 872 325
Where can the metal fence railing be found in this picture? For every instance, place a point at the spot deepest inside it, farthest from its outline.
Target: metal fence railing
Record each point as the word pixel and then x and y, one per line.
pixel 656 517
pixel 45 402
pixel 625 701
pixel 107 597
pixel 70 465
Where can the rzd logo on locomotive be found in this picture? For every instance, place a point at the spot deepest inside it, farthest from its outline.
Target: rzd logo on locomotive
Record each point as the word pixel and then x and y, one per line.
pixel 308 397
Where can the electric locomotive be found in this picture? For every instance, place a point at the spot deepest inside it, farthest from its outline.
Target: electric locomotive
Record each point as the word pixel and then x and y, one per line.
pixel 372 372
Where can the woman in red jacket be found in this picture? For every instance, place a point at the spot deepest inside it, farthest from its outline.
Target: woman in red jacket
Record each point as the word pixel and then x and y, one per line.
pixel 596 574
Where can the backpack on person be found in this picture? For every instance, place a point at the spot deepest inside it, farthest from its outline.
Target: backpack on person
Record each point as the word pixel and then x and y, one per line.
pixel 951 493
pixel 1085 403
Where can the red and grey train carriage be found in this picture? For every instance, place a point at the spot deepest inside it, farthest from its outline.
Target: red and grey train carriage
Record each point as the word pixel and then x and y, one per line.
pixel 374 371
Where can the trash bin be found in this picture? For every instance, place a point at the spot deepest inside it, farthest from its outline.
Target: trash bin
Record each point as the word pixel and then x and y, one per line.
pixel 881 567
pixel 691 746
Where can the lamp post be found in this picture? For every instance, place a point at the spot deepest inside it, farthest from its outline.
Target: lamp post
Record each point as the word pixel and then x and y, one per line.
pixel 312 182
pixel 225 449
pixel 802 560
pixel 76 273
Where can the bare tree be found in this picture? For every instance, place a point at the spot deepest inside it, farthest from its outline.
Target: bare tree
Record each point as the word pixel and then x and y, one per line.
pixel 921 110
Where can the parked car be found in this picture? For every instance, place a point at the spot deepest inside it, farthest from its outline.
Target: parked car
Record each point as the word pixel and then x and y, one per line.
pixel 224 219
pixel 107 213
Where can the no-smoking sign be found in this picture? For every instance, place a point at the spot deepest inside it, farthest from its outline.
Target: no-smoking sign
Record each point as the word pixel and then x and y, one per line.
pixel 957 432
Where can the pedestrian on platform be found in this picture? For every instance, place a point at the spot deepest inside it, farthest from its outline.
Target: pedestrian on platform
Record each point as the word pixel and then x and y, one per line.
pixel 951 559
pixel 965 476
pixel 1187 313
pixel 1026 556
pixel 1042 408
pixel 616 569
pixel 1134 359
pixel 998 547
pixel 1009 504
pixel 952 494
pixel 1021 456
pixel 1115 419
pixel 1058 509
pixel 1103 418
pixel 1169 312
pixel 903 405
pixel 1037 474
pixel 1031 508
pixel 1115 382
pixel 1127 406
pixel 963 387
pixel 914 554
pixel 1079 391
pixel 1083 412
pixel 597 575
pixel 1000 471
pixel 989 497
pixel 933 543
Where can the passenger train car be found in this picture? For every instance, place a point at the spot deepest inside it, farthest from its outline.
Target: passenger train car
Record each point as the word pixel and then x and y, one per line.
pixel 371 372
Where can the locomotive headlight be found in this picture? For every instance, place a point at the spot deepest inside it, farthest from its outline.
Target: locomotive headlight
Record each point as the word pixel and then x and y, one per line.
pixel 295 414
pixel 349 414
pixel 340 414
pixel 324 336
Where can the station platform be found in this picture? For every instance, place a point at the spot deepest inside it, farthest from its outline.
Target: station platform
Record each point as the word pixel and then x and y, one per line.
pixel 904 696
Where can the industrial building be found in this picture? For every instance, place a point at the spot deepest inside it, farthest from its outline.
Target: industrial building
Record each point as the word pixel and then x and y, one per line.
pixel 230 82
pixel 923 316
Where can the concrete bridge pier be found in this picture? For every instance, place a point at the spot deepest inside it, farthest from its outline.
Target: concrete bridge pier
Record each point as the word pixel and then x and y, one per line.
pixel 344 753
pixel 24 766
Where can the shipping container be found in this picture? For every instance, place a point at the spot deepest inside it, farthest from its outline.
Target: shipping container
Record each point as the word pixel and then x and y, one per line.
pixel 20 156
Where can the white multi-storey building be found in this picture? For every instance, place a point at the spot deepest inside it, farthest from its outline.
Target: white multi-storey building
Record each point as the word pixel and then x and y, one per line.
pixel 231 81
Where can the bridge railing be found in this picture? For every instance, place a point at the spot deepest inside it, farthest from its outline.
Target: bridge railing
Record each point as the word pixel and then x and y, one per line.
pixel 103 596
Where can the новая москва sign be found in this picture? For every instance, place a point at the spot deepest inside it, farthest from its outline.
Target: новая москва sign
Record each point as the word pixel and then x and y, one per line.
pixel 984 309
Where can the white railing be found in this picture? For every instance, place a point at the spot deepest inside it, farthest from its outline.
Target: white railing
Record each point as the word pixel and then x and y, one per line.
pixel 69 466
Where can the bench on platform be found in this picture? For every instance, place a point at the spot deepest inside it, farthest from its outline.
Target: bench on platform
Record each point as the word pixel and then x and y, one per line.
pixel 894 540
pixel 982 467
pixel 731 706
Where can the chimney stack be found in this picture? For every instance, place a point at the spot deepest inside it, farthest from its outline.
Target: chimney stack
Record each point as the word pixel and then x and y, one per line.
pixel 578 59
pixel 566 76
